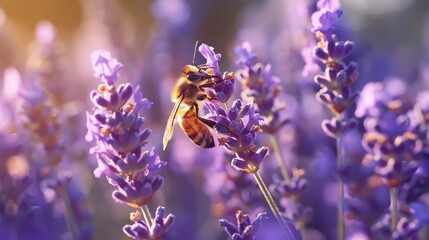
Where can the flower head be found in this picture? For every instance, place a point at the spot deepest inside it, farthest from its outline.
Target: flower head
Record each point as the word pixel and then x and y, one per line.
pixel 239 126
pixel 405 228
pixel 224 83
pixel 105 67
pixel 140 230
pixel 212 58
pixel 245 228
pixel 336 90
pixel 326 19
pixel 117 127
pixel 390 140
pixel 261 87
pixel 245 54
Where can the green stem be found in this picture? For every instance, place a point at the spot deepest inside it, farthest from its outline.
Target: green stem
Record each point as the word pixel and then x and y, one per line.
pixel 272 205
pixel 280 158
pixel 146 215
pixel 394 202
pixel 69 216
pixel 340 213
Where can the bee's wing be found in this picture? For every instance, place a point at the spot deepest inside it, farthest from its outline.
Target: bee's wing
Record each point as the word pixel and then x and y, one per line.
pixel 170 123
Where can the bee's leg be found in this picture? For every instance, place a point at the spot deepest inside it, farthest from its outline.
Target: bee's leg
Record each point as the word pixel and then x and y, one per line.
pixel 217 126
pixel 212 124
pixel 204 96
pixel 206 85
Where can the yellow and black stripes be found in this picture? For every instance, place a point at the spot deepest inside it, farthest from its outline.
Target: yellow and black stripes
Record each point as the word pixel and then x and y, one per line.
pixel 197 131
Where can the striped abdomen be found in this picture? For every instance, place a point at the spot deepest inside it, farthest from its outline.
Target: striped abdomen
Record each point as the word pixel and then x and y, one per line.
pixel 197 131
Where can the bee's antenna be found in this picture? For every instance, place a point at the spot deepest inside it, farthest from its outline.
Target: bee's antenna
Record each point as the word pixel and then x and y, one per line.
pixel 193 59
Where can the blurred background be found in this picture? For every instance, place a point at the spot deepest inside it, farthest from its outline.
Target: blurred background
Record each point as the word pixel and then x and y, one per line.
pixel 154 40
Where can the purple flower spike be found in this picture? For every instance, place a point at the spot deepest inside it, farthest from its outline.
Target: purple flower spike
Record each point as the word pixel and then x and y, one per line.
pixel 238 128
pixel 406 228
pixel 141 230
pixel 261 87
pixel 224 83
pixel 246 57
pixel 334 128
pixel 225 88
pixel 326 21
pixel 245 229
pixel 250 161
pixel 294 188
pixel 137 192
pixel 105 67
pixel 212 58
pixel 336 91
pixel 117 127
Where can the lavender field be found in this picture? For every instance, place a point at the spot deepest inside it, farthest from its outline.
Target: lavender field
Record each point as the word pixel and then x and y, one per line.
pixel 212 120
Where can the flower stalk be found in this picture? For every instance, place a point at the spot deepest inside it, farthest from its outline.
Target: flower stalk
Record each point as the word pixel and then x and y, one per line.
pixel 69 216
pixel 340 192
pixel 335 86
pixel 394 203
pixel 272 204
pixel 280 158
pixel 146 214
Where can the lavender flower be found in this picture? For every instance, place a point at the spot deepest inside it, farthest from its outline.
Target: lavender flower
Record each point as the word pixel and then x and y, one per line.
pixel 105 67
pixel 335 90
pixel 118 129
pixel 260 87
pixel 398 149
pixel 335 85
pixel 17 208
pixel 326 19
pixel 42 121
pixel 406 228
pixel 140 230
pixel 238 126
pixel 224 83
pixel 290 193
pixel 240 135
pixel 389 140
pixel 46 62
pixel 245 229
pixel 291 189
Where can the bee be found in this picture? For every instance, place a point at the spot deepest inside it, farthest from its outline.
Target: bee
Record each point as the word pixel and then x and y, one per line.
pixel 190 89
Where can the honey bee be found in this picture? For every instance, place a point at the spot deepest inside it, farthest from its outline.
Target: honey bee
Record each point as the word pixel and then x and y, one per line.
pixel 190 89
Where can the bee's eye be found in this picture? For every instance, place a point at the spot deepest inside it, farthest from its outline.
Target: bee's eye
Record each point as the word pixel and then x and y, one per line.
pixel 197 76
pixel 193 77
